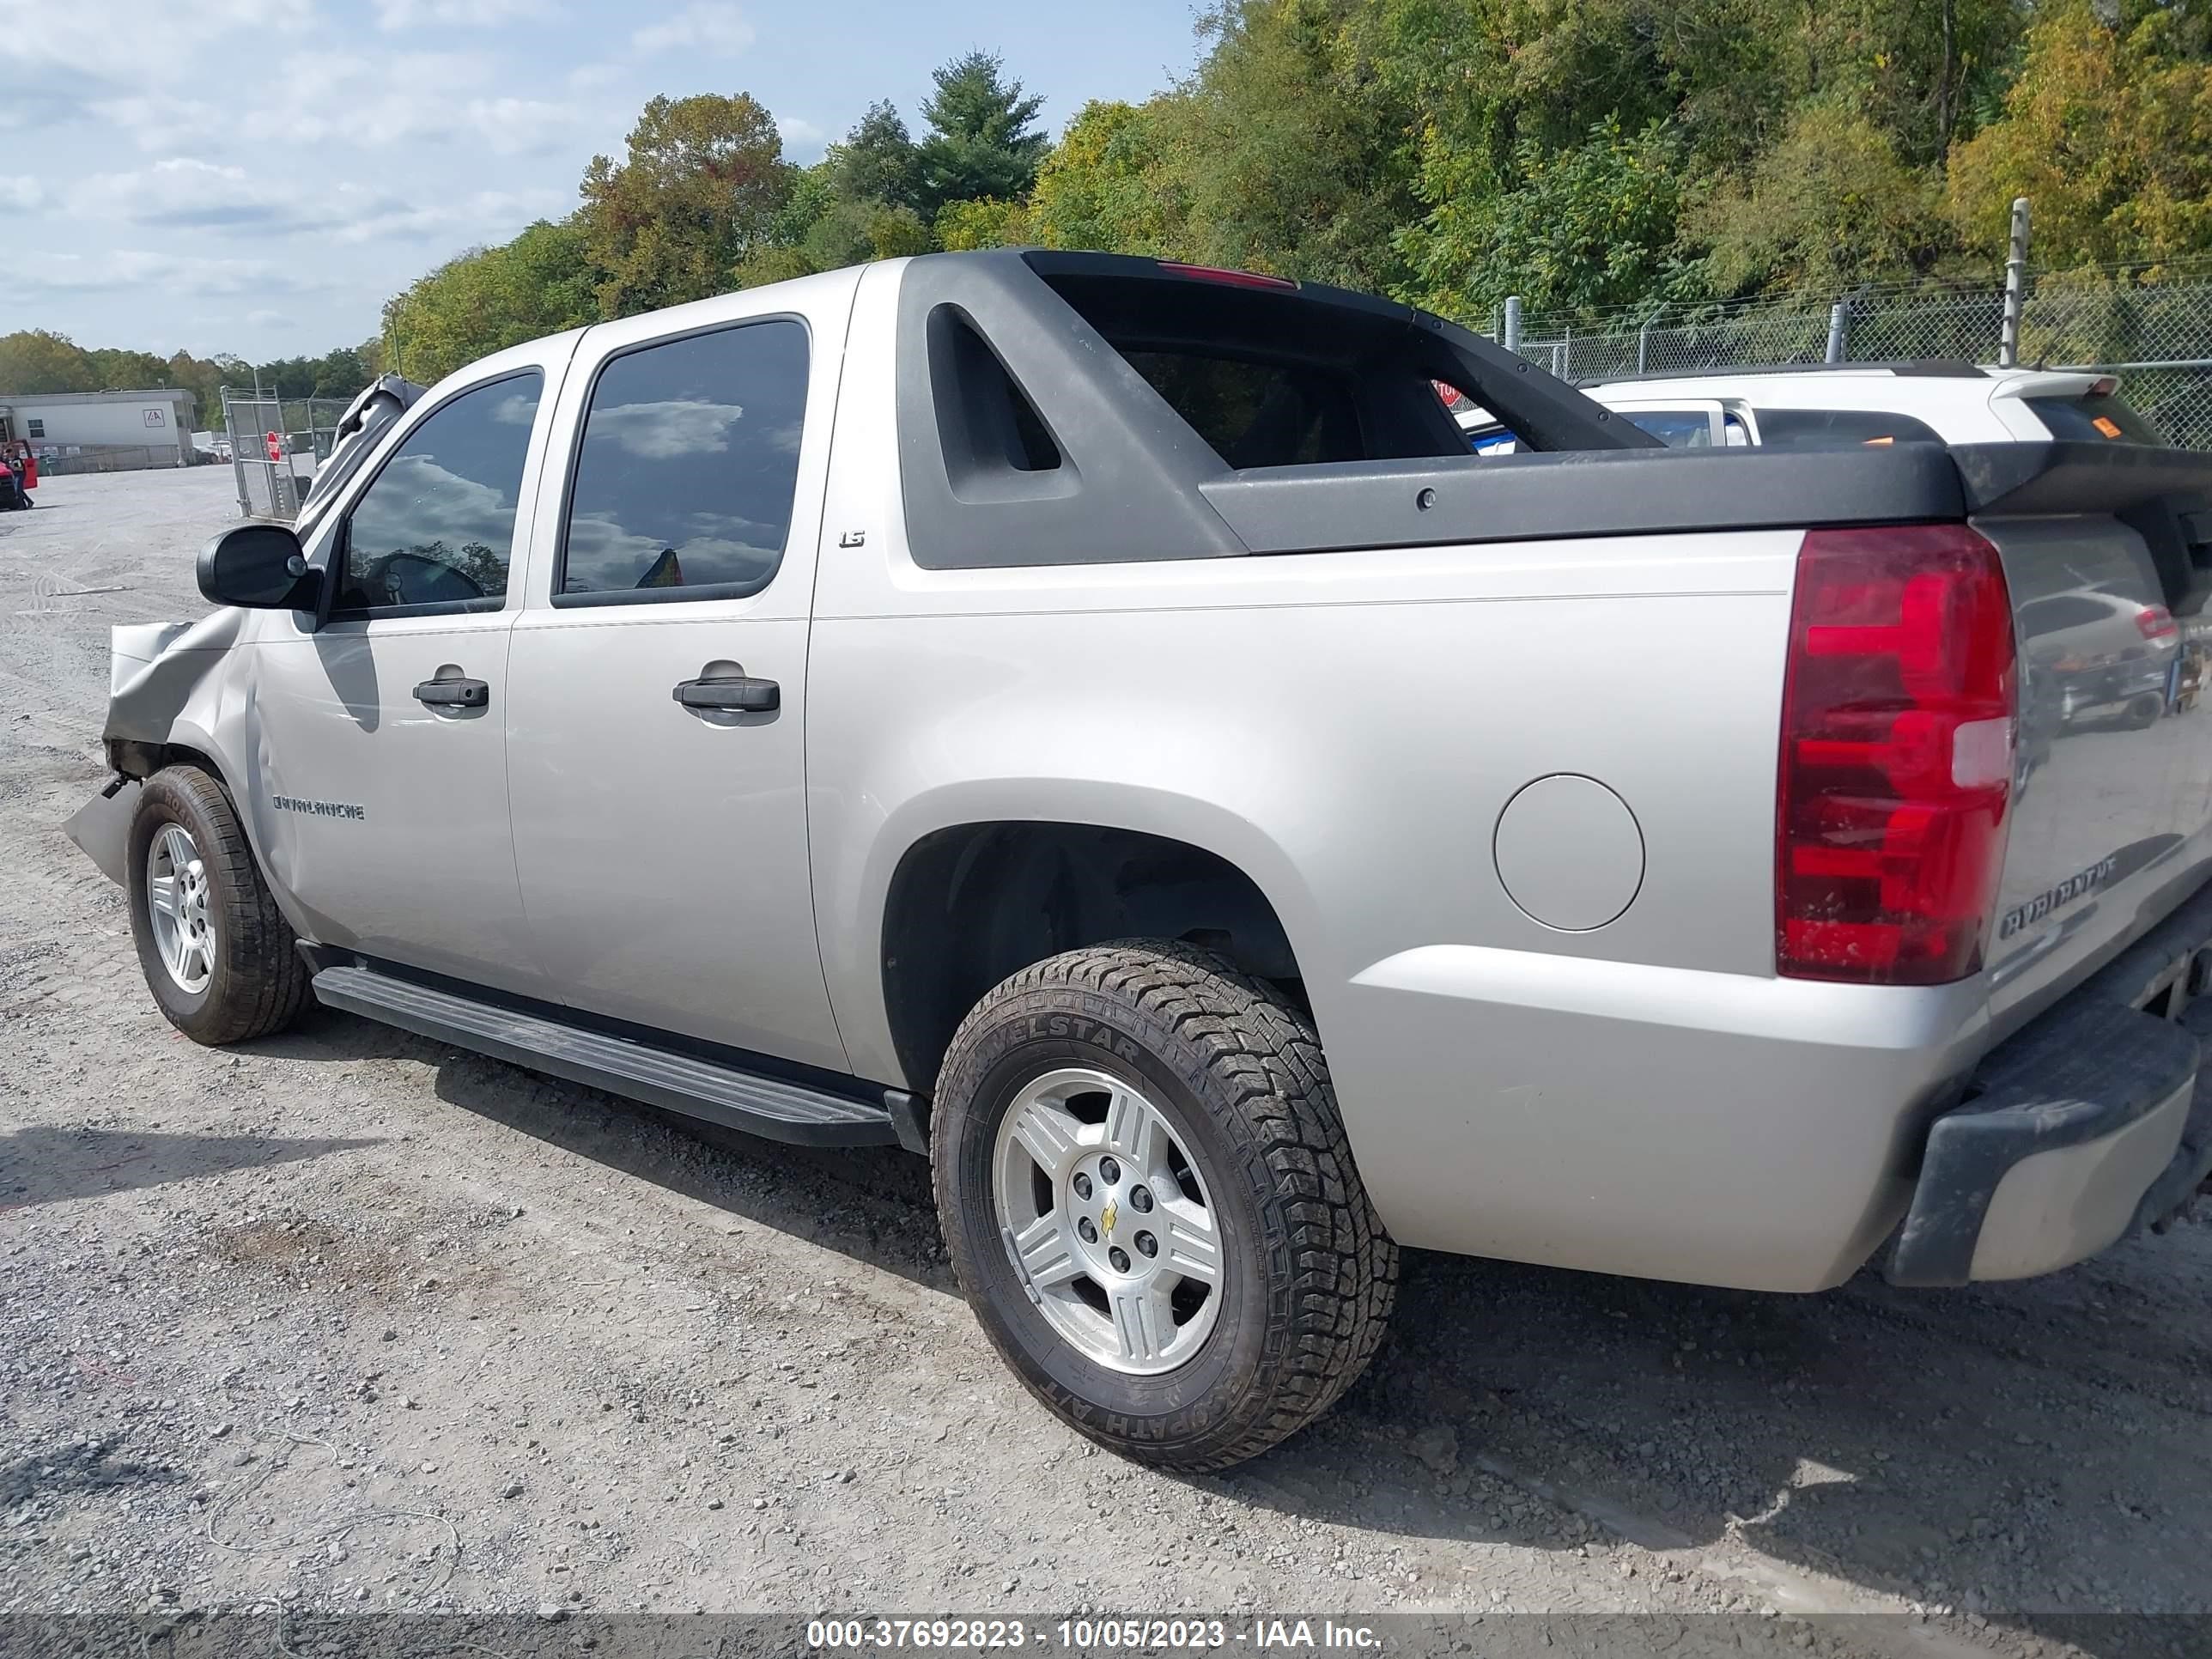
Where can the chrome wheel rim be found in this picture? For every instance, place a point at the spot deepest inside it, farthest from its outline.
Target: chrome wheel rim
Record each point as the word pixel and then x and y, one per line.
pixel 1104 1214
pixel 176 907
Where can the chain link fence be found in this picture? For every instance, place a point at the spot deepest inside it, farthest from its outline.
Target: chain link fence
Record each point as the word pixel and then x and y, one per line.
pixel 2156 335
pixel 275 444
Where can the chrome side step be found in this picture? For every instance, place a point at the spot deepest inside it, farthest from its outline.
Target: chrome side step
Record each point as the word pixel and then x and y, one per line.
pixel 760 1105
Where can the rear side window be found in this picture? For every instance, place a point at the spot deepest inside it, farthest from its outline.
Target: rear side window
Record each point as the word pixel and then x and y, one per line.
pixel 1839 428
pixel 1256 413
pixel 435 529
pixel 1677 428
pixel 2101 418
pixel 687 469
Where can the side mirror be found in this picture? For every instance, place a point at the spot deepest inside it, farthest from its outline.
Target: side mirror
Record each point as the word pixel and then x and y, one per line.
pixel 261 567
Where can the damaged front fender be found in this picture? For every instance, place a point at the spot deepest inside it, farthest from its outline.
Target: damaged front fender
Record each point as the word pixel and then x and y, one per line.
pixel 162 692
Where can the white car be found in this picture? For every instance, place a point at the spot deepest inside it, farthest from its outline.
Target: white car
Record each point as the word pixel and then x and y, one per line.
pixel 1809 407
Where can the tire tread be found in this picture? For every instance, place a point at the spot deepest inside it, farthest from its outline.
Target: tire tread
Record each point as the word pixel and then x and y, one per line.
pixel 1263 1059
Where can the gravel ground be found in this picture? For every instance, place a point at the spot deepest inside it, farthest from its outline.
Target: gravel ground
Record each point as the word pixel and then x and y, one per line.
pixel 348 1319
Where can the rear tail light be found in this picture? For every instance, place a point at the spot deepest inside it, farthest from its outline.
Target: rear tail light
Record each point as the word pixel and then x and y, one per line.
pixel 2157 623
pixel 1898 724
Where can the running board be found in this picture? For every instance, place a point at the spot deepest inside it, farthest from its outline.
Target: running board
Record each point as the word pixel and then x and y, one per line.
pixel 766 1106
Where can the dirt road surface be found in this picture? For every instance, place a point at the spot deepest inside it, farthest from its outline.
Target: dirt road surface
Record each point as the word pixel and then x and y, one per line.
pixel 351 1320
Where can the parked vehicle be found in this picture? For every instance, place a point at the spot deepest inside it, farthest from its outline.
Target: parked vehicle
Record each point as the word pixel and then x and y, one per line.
pixel 1091 721
pixel 1801 406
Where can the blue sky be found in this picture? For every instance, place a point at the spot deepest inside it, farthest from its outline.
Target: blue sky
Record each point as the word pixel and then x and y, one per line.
pixel 258 176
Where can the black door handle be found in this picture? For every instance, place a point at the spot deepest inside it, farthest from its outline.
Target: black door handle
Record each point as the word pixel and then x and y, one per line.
pixel 739 694
pixel 453 694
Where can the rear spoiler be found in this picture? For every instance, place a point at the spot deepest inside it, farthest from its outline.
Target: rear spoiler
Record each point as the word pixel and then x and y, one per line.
pixel 2164 495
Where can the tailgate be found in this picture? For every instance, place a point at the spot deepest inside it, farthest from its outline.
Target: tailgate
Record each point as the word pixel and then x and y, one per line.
pixel 2105 553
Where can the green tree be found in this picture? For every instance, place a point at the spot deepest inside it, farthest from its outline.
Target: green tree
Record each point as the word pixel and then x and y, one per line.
pixel 1288 154
pixel 490 298
pixel 1832 205
pixel 1114 182
pixel 2108 133
pixel 962 226
pixel 982 142
pixel 1591 227
pixel 877 161
pixel 39 360
pixel 696 194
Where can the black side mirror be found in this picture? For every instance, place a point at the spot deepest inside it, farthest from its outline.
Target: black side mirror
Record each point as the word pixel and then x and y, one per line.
pixel 261 567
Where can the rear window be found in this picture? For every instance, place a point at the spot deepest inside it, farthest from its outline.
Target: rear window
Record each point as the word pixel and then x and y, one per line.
pixel 1257 413
pixel 1839 428
pixel 2101 418
pixel 1276 377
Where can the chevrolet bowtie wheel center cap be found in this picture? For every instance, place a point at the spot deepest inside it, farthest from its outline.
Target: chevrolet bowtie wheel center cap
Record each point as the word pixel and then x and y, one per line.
pixel 1108 1220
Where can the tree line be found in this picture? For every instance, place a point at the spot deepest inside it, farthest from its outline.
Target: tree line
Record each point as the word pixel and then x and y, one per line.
pixel 34 360
pixel 1587 154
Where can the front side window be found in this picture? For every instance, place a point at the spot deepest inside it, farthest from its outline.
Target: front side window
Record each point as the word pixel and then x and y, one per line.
pixel 436 526
pixel 687 468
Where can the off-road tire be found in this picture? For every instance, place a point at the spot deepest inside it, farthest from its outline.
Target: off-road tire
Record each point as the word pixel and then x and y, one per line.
pixel 1309 1274
pixel 259 982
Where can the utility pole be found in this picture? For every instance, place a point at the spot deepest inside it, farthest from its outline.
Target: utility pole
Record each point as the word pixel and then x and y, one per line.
pixel 2015 286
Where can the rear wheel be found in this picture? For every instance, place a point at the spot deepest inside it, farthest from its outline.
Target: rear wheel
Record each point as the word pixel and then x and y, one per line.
pixel 218 955
pixel 1147 1196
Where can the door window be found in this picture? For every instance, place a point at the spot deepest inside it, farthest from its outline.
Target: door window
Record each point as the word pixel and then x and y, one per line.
pixel 435 530
pixel 687 468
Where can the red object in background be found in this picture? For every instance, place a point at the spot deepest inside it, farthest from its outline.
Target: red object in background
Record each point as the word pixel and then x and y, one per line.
pixel 276 447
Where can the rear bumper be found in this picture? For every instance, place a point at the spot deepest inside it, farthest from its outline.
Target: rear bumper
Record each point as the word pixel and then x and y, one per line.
pixel 2088 1124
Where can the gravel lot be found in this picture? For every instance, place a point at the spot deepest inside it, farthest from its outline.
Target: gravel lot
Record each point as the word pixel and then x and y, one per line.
pixel 351 1320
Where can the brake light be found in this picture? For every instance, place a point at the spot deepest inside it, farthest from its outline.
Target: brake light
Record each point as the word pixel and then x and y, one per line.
pixel 1898 723
pixel 2156 622
pixel 1227 278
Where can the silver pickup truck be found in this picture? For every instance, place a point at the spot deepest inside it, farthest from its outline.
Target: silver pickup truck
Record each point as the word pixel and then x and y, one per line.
pixel 1091 720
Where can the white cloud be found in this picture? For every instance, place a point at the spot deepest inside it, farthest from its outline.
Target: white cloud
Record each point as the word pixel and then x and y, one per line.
pixel 799 133
pixel 165 275
pixel 456 13
pixel 21 195
pixel 184 193
pixel 709 26
pixel 663 431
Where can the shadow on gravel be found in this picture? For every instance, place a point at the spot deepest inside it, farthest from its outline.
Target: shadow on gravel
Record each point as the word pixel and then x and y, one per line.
pixel 78 1467
pixel 43 1165
pixel 2027 1453
pixel 870 1203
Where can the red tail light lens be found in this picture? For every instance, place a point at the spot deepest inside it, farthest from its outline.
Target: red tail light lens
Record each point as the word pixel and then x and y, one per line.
pixel 1898 722
pixel 2156 622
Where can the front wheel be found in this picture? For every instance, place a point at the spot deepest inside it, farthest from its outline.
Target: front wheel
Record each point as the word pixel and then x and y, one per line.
pixel 218 955
pixel 1147 1196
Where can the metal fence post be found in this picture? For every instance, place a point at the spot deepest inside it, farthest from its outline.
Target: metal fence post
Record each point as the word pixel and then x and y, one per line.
pixel 1840 330
pixel 1642 347
pixel 2015 285
pixel 1512 330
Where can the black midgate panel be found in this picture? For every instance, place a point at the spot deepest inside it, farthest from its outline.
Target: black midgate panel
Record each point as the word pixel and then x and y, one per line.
pixel 1127 488
pixel 1566 493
